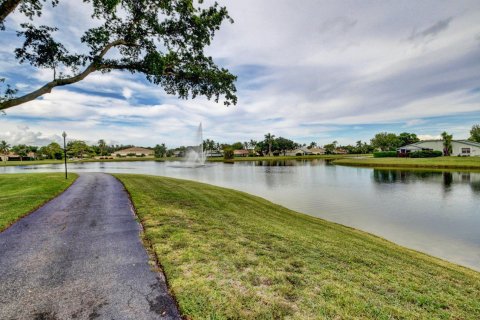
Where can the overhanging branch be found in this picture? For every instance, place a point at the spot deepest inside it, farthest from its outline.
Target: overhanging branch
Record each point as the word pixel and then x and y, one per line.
pixel 47 88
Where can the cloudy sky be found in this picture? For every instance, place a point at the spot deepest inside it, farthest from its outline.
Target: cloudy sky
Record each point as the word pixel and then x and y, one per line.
pixel 308 70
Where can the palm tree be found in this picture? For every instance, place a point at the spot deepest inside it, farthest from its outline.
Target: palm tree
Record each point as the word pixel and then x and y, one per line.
pixel 4 149
pixel 447 143
pixel 269 140
pixel 102 145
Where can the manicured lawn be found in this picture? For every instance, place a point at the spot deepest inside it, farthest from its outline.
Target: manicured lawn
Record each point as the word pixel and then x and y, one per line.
pixel 438 163
pixel 29 163
pixel 230 255
pixel 22 193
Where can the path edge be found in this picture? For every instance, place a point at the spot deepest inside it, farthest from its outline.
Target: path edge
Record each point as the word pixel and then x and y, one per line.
pixel 147 244
pixel 40 205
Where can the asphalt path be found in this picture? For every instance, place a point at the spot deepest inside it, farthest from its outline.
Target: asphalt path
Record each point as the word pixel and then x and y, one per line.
pixel 80 257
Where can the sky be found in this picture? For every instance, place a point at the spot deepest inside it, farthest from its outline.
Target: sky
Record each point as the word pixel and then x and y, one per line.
pixel 307 70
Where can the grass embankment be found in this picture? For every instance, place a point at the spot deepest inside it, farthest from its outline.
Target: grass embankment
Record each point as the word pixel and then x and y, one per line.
pixel 29 163
pixel 273 158
pixel 433 163
pixel 230 255
pixel 22 193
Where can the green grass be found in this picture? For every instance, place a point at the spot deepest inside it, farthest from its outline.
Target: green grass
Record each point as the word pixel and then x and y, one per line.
pixel 22 193
pixel 434 163
pixel 29 163
pixel 230 255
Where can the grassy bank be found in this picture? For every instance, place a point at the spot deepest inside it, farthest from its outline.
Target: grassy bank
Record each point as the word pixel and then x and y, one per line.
pixel 22 193
pixel 433 163
pixel 230 255
pixel 49 161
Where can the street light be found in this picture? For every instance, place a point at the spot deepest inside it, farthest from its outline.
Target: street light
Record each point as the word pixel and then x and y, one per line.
pixel 64 135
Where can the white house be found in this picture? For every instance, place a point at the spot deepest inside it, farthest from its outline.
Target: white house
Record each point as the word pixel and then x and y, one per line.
pixel 135 151
pixel 459 147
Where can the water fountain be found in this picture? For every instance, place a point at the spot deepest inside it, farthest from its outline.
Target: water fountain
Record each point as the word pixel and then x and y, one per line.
pixel 195 156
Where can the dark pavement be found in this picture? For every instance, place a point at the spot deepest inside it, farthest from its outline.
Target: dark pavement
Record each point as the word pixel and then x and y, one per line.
pixel 80 257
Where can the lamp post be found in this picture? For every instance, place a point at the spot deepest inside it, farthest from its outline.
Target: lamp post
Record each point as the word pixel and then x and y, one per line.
pixel 64 135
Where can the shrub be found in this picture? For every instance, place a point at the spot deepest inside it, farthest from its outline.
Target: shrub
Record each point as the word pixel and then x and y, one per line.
pixel 426 154
pixel 298 154
pixel 228 154
pixel 385 154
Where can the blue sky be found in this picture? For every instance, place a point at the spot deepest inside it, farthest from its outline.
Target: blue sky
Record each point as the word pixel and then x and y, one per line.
pixel 307 70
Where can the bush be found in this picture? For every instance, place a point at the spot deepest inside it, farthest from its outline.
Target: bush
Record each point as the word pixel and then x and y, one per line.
pixel 385 154
pixel 298 154
pixel 426 154
pixel 228 154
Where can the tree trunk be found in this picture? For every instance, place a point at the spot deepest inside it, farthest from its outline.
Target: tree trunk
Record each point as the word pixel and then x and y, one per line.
pixel 7 7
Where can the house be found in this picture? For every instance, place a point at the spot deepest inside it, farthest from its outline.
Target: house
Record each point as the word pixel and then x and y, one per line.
pixel 12 156
pixel 459 147
pixel 213 154
pixel 135 152
pixel 241 153
pixel 298 151
pixel 317 151
pixel 340 151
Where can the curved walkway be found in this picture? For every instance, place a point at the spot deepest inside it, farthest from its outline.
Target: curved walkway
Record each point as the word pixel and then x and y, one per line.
pixel 80 257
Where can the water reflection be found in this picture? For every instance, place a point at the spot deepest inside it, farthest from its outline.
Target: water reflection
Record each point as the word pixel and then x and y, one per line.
pixel 447 178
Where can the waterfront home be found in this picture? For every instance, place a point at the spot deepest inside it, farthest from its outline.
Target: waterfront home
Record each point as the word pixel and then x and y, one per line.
pixel 459 147
pixel 241 153
pixel 316 151
pixel 340 151
pixel 298 152
pixel 134 152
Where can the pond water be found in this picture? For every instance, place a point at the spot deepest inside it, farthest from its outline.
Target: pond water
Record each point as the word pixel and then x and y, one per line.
pixel 434 212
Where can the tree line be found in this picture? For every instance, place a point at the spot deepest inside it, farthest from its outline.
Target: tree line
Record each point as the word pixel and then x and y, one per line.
pixel 270 145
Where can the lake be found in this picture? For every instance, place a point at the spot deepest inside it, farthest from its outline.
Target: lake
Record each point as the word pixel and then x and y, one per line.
pixel 434 212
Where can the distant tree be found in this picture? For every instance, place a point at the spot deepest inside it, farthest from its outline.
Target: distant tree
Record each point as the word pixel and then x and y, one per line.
pixel 447 143
pixel 208 144
pixel 261 147
pixel 228 153
pixel 246 145
pixel 330 148
pixel 283 144
pixel 269 138
pixel 102 146
pixel 312 145
pixel 52 151
pixel 4 150
pixel 237 146
pixel 164 40
pixel 78 148
pixel 386 141
pixel 407 138
pixel 160 150
pixel 253 144
pixel 475 133
pixel 21 150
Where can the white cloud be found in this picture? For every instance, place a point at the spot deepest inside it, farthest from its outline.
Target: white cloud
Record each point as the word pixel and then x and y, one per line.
pixel 306 71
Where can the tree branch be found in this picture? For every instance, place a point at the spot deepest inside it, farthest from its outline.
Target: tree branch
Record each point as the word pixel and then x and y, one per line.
pixel 47 88
pixel 6 8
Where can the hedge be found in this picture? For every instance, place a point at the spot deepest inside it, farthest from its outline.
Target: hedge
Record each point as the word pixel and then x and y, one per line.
pixel 385 154
pixel 426 154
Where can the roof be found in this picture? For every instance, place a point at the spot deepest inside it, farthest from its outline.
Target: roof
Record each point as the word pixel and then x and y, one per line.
pixel 135 150
pixel 417 144
pixel 241 152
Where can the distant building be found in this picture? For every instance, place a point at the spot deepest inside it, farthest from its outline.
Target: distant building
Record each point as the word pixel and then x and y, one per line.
pixel 134 152
pixel 459 147
pixel 317 151
pixel 241 153
pixel 214 153
pixel 340 151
